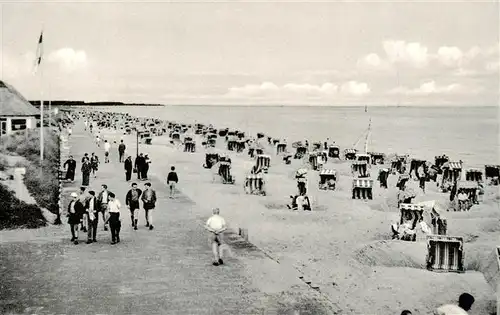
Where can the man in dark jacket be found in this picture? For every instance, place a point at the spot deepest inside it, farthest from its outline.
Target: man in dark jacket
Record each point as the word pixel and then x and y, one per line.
pixel 75 212
pixel 86 169
pixel 128 168
pixel 132 201
pixel 172 180
pixel 139 164
pixel 70 166
pixel 121 150
pixel 92 217
pixel 149 200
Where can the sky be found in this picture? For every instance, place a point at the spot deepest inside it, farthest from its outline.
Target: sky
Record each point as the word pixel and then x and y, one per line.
pixel 236 52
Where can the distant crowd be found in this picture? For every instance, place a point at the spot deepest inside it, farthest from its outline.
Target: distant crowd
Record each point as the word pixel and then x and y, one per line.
pixel 87 206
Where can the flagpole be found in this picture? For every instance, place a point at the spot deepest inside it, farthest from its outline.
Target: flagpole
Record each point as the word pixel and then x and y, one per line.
pixel 50 106
pixel 39 67
pixel 41 114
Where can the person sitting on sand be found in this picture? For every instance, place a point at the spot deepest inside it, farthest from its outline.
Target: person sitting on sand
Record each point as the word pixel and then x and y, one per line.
pixel 216 225
pixel 395 230
pixel 462 200
pixel 300 202
pixel 293 205
pixel 306 203
pixel 408 232
pixel 465 302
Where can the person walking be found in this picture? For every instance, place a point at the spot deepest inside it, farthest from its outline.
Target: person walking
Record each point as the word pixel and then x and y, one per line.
pixel 139 164
pixel 70 166
pixel 172 180
pixel 85 157
pixel 145 167
pixel 421 177
pixel 216 225
pixel 107 147
pixel 121 151
pixel 75 210
pixel 148 201
pixel 83 199
pixel 86 169
pixel 102 203
pixel 132 202
pixel 92 218
pixel 114 206
pixel 128 168
pixel 94 163
pixel 98 139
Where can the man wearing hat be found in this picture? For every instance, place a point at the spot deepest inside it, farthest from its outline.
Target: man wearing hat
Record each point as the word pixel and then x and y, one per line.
pixel 75 211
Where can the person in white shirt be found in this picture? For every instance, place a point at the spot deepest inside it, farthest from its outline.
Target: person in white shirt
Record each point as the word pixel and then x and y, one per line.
pixel 114 206
pixel 107 147
pixel 216 225
pixel 465 302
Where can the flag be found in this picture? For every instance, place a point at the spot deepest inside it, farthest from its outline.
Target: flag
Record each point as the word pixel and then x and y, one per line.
pixel 39 52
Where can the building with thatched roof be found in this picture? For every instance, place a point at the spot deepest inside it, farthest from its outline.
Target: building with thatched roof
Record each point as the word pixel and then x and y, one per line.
pixel 16 113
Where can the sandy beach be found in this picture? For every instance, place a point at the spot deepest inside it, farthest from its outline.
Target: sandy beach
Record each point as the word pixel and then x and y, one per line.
pixel 344 245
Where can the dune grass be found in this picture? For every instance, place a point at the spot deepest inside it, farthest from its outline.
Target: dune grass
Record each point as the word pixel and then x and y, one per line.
pixel 3 163
pixel 15 213
pixel 41 178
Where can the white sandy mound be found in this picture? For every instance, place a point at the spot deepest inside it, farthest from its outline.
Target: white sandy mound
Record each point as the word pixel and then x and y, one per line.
pixel 392 254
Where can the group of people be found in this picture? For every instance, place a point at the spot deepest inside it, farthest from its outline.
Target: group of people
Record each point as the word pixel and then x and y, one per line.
pixel 84 209
pixel 90 165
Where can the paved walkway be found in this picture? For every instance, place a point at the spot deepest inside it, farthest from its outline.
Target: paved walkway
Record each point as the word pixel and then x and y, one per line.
pixel 164 271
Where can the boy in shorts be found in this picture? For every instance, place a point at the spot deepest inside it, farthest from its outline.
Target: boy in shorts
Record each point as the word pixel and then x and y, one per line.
pixel 216 225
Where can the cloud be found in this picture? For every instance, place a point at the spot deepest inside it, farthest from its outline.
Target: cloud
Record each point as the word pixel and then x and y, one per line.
pixel 370 60
pixel 355 88
pixel 326 88
pixel 444 59
pixel 412 53
pixel 253 90
pixel 68 59
pixel 269 89
pixel 451 56
pixel 427 88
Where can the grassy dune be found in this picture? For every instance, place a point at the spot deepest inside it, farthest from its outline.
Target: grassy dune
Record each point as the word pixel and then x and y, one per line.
pixel 41 178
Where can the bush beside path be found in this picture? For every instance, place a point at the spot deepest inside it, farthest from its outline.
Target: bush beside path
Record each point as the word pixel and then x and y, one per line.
pixel 164 271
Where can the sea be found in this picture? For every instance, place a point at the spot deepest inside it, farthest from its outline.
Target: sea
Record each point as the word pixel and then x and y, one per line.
pixel 470 134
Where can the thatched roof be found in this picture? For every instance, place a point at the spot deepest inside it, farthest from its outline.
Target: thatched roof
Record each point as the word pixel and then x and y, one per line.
pixel 12 103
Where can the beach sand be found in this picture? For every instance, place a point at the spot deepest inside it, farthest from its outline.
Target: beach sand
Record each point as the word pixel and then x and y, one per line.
pixel 343 245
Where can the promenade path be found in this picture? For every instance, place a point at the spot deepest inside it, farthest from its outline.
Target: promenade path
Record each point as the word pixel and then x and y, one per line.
pixel 164 271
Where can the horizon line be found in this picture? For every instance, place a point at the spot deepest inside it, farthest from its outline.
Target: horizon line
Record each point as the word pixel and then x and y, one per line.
pixel 122 103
